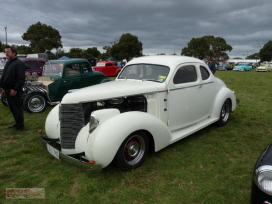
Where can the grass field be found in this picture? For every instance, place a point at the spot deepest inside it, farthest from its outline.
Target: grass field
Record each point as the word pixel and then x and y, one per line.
pixel 211 166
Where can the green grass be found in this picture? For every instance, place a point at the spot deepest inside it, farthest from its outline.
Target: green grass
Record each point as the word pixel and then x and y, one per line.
pixel 211 166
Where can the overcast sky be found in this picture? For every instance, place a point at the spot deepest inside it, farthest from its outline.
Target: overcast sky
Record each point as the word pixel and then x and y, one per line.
pixel 163 26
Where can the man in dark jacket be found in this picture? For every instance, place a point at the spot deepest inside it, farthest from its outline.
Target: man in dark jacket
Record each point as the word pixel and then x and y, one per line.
pixel 212 66
pixel 12 81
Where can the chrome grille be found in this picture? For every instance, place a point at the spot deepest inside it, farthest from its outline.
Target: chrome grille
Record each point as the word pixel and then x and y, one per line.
pixel 71 121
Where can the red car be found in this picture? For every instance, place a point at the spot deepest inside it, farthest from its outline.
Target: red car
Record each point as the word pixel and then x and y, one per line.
pixel 34 65
pixel 107 68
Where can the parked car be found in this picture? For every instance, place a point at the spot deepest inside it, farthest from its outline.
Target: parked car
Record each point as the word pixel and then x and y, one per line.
pixel 261 188
pixel 221 67
pixel 255 65
pixel 224 67
pixel 243 67
pixel 59 76
pixel 264 68
pixel 154 102
pixel 34 65
pixel 228 66
pixel 108 68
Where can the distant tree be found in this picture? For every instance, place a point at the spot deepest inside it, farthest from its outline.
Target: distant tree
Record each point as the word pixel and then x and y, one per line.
pixel 266 52
pixel 79 53
pixel 23 49
pixel 107 54
pixel 254 56
pixel 93 51
pixel 42 37
pixel 59 53
pixel 127 47
pixel 207 47
pixel 197 47
pixel 219 47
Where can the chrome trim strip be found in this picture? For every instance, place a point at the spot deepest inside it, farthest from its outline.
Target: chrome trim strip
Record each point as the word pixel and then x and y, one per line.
pixel 197 85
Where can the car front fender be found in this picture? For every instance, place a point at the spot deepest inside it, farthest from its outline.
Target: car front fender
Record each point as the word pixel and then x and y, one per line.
pixel 103 143
pixel 38 90
pixel 221 97
pixel 52 124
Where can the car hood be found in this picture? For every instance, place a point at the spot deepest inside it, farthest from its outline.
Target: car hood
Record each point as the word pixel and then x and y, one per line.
pixel 112 89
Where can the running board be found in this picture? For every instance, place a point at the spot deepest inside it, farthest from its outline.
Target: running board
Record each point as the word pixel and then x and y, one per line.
pixel 180 134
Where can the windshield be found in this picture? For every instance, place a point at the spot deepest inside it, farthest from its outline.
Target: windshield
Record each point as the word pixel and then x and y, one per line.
pixel 264 65
pixel 100 64
pixel 148 72
pixel 52 68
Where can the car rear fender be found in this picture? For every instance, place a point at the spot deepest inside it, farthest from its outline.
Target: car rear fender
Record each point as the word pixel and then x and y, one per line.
pixel 102 144
pixel 221 97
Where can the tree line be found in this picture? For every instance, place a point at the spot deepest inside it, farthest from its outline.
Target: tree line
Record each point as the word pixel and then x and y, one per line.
pixel 44 38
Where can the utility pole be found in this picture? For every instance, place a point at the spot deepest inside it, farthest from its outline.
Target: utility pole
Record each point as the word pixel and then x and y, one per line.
pixel 6 35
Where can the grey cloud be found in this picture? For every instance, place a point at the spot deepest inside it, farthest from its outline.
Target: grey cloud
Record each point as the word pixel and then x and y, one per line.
pixel 162 26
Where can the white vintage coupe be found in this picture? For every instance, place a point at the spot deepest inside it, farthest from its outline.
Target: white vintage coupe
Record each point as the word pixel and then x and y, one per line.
pixel 154 102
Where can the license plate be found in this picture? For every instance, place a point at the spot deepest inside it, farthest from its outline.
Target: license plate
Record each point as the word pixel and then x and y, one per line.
pixel 54 152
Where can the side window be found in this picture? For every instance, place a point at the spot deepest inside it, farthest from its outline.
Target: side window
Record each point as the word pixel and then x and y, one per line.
pixel 30 65
pixel 108 65
pixel 85 68
pixel 204 73
pixel 41 64
pixel 185 74
pixel 72 69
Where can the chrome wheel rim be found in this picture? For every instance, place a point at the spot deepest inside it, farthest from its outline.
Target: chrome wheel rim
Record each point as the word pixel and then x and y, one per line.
pixel 36 103
pixel 134 150
pixel 225 112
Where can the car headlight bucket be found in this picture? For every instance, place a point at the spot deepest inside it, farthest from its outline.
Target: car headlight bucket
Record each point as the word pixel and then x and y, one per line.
pixel 263 178
pixel 94 122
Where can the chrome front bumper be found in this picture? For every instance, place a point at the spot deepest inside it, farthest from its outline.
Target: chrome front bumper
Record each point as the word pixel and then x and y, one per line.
pixel 75 159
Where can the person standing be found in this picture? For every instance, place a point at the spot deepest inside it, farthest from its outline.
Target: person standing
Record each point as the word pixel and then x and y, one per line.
pixel 212 66
pixel 12 81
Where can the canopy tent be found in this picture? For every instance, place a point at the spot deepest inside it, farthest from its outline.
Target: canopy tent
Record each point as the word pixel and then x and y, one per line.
pixel 64 57
pixel 111 59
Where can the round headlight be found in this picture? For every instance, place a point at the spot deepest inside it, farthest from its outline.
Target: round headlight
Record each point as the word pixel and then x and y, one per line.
pixel 94 122
pixel 264 178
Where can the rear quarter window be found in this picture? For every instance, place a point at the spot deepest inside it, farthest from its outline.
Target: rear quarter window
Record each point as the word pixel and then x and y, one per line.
pixel 204 73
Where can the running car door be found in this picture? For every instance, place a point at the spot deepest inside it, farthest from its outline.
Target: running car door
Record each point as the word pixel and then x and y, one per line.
pixel 190 98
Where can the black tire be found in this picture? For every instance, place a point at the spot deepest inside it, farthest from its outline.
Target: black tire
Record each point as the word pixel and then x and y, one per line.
pixel 132 152
pixel 35 103
pixel 4 101
pixel 224 113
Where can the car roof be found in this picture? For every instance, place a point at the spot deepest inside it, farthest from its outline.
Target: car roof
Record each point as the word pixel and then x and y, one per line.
pixel 32 59
pixel 66 61
pixel 166 60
